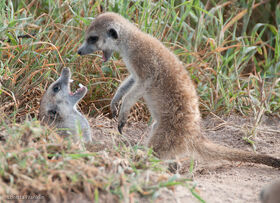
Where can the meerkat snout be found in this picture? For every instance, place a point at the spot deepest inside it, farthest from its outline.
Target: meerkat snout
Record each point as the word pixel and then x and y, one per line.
pixel 79 52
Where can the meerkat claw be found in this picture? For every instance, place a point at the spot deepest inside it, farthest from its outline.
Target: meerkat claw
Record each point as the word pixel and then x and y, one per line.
pixel 120 127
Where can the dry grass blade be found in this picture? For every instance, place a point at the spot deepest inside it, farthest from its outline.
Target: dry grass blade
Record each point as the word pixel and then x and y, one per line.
pixel 239 16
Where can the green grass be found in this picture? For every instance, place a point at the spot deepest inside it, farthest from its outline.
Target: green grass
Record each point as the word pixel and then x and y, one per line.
pixel 219 46
pixel 231 53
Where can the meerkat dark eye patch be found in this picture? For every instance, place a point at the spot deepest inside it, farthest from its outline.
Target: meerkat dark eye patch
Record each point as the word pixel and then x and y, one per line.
pixel 92 39
pixel 113 33
pixel 52 112
pixel 56 88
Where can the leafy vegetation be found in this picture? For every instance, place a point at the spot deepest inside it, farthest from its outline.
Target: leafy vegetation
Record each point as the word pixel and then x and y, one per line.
pixel 231 53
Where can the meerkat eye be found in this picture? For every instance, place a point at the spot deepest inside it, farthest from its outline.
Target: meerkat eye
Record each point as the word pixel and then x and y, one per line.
pixel 92 39
pixel 56 88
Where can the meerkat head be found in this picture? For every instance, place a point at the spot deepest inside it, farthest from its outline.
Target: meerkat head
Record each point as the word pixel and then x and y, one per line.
pixel 104 34
pixel 58 101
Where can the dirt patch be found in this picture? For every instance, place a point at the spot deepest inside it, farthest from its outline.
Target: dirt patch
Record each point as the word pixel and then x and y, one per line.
pixel 217 181
pixel 238 182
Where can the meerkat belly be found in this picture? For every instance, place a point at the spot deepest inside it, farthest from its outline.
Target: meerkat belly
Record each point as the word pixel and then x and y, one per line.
pixel 159 108
pixel 153 105
pixel 67 127
pixel 173 108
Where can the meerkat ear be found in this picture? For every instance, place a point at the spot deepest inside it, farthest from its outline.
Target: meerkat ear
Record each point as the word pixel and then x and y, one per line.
pixel 113 33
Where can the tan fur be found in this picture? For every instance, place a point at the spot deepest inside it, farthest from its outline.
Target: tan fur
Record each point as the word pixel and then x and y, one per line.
pixel 167 89
pixel 271 193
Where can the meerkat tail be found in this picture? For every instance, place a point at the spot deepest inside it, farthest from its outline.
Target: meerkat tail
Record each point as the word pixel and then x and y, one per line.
pixel 212 150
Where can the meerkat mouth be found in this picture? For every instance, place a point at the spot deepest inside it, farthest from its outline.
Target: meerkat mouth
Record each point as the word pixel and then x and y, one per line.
pixel 106 54
pixel 78 91
pixel 72 96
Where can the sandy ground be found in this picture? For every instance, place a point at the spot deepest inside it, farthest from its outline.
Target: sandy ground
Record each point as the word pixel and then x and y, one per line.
pixel 215 181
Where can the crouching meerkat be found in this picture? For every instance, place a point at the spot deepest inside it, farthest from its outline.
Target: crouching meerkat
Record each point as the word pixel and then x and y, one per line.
pixel 58 107
pixel 157 75
pixel 271 193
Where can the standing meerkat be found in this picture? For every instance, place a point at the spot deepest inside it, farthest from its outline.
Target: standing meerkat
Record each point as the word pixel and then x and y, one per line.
pixel 157 75
pixel 58 107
